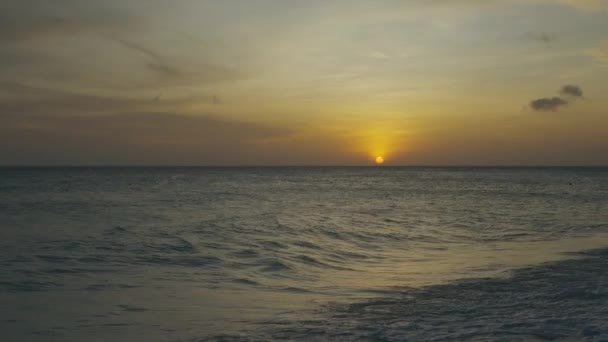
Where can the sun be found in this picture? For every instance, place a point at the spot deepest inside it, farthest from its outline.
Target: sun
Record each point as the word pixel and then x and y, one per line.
pixel 379 160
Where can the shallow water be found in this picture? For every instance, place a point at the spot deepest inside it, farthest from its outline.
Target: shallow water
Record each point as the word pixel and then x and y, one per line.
pixel 188 254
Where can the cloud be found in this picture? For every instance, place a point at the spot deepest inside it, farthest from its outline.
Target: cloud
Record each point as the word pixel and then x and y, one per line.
pixel 548 104
pixel 586 5
pixel 33 20
pixel 572 90
pixel 552 104
pixel 17 98
pixel 582 5
pixel 73 44
pixel 204 73
pixel 543 37
pixel 132 139
pixel 49 27
pixel 158 63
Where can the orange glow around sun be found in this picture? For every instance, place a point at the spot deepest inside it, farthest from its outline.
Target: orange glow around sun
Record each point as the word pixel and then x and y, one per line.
pixel 379 160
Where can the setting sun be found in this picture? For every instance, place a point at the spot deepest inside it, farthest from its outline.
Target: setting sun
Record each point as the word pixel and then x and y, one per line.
pixel 379 160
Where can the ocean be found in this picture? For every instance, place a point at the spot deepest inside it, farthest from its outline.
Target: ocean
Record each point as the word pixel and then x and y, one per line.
pixel 304 254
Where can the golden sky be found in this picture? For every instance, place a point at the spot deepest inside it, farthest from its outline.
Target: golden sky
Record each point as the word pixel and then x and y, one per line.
pixel 317 82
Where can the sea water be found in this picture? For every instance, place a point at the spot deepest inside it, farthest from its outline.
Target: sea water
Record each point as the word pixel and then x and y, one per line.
pixel 303 253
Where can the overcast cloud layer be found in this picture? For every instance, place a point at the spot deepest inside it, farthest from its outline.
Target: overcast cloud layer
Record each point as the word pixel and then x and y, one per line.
pixel 303 82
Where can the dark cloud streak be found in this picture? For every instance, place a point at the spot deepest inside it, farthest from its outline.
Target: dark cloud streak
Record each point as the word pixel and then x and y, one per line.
pixel 28 29
pixel 548 104
pixel 543 37
pixel 172 74
pixel 159 63
pixel 572 90
pixel 552 104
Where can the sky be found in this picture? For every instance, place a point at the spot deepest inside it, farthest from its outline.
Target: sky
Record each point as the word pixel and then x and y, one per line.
pixel 290 82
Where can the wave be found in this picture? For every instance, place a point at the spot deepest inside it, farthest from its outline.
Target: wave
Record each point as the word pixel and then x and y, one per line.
pixel 558 301
pixel 208 250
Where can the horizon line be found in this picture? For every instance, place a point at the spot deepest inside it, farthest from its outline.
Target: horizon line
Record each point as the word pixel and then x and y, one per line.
pixel 305 165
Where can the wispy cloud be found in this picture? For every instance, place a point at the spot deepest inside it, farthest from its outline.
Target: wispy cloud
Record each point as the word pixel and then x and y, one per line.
pixel 157 62
pixel 600 53
pixel 543 37
pixel 23 22
pixel 583 5
pixel 202 73
pixel 586 5
pixel 16 98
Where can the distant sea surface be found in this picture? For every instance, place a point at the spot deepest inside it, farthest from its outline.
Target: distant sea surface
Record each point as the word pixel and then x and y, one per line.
pixel 319 254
